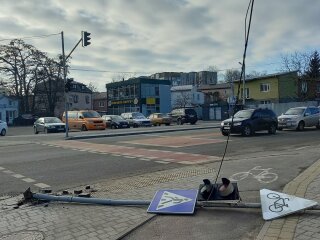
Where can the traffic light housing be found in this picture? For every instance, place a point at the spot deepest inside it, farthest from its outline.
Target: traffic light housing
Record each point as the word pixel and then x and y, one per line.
pixel 67 85
pixel 86 38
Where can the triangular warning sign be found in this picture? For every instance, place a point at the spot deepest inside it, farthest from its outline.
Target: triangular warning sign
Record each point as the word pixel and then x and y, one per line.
pixel 169 199
pixel 276 204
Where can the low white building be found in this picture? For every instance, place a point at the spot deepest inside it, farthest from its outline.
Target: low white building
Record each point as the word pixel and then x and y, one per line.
pixel 187 96
pixel 9 108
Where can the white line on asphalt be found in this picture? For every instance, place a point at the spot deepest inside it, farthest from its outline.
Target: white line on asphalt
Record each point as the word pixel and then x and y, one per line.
pixel 163 162
pixel 152 157
pixel 115 155
pixel 28 180
pixel 42 185
pixel 8 171
pixel 1 168
pixel 18 176
pixel 129 156
pixel 144 159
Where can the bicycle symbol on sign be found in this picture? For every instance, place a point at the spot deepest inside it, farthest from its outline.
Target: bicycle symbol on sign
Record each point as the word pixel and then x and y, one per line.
pixel 278 204
pixel 263 175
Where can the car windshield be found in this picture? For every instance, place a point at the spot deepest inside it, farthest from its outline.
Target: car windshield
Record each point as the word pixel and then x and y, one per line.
pixel 52 120
pixel 138 116
pixel 117 118
pixel 91 115
pixel 294 111
pixel 243 114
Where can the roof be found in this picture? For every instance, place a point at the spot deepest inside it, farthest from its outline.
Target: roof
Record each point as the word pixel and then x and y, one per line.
pixel 215 86
pixel 99 95
pixel 182 88
pixel 268 76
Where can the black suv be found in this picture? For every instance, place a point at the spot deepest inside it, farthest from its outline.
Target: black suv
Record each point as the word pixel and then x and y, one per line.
pixel 248 121
pixel 184 115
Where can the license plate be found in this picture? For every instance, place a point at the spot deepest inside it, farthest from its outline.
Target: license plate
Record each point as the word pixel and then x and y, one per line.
pixel 60 129
pixel 226 128
pixel 124 125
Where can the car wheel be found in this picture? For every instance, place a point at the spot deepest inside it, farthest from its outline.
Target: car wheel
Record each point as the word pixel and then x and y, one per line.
pixel 35 130
pixel 135 125
pixel 247 131
pixel 272 129
pixel 225 133
pixel 318 126
pixel 113 126
pixel 280 129
pixel 193 123
pixel 300 126
pixel 179 122
pixel 3 132
pixel 84 128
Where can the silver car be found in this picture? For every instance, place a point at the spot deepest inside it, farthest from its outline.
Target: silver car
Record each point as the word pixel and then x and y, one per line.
pixel 299 117
pixel 3 128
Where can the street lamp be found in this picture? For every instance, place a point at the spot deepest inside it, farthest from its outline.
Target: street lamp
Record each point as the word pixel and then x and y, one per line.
pixel 243 83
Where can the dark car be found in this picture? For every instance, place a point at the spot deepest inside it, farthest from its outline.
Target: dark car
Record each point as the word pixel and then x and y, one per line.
pixel 248 121
pixel 49 124
pixel 184 115
pixel 115 121
pixel 24 120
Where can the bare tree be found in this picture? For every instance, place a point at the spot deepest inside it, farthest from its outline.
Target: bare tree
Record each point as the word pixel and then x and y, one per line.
pixel 182 100
pixel 92 87
pixel 297 61
pixel 231 75
pixel 17 63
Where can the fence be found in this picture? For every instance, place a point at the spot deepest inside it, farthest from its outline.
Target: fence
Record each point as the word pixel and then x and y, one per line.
pixel 279 108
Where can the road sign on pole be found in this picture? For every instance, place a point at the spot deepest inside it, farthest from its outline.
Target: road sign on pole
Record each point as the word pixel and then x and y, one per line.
pixel 276 204
pixel 174 202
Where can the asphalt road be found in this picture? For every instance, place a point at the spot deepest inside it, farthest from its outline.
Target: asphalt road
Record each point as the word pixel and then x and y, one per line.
pixel 271 161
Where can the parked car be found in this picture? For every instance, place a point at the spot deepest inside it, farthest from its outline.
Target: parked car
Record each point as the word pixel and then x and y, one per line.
pixel 184 115
pixel 48 124
pixel 24 120
pixel 248 121
pixel 300 117
pixel 115 121
pixel 3 128
pixel 159 118
pixel 84 120
pixel 136 119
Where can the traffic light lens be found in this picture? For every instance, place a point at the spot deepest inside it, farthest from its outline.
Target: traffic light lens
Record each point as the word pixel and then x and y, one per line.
pixel 86 39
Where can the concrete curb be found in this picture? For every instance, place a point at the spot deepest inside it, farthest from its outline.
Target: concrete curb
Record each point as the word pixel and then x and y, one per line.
pixel 79 137
pixel 284 229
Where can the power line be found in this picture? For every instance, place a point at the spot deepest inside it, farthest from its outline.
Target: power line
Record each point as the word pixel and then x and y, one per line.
pixel 31 37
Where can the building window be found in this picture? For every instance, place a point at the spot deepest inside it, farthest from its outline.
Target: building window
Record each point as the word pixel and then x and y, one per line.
pixel 87 99
pixel 75 98
pixel 157 90
pixel 74 86
pixel 265 102
pixel 264 87
pixel 318 88
pixel 101 104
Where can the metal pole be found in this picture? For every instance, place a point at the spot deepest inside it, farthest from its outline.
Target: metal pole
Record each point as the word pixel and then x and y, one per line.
pixel 65 81
pixel 244 84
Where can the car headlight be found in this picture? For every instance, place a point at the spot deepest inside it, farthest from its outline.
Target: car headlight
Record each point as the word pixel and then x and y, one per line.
pixel 237 124
pixel 222 124
pixel 50 126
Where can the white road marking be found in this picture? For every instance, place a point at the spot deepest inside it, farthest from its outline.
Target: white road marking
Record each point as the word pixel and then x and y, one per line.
pixel 8 171
pixel 144 159
pixel 28 180
pixel 163 162
pixel 115 155
pixel 130 157
pixel 18 176
pixel 42 185
pixel 1 168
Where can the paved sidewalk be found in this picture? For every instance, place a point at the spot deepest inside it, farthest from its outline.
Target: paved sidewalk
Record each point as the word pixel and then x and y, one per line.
pixel 75 221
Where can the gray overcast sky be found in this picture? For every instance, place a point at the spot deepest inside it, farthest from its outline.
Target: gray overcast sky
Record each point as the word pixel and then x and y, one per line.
pixel 149 36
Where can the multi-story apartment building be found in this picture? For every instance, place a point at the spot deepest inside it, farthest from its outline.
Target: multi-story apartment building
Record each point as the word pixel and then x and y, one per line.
pixel 190 78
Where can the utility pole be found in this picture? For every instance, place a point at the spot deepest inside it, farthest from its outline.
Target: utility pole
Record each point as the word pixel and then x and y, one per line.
pixel 65 82
pixel 243 82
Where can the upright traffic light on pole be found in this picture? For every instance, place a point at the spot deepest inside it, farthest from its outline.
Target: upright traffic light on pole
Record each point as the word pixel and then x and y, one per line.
pixel 86 38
